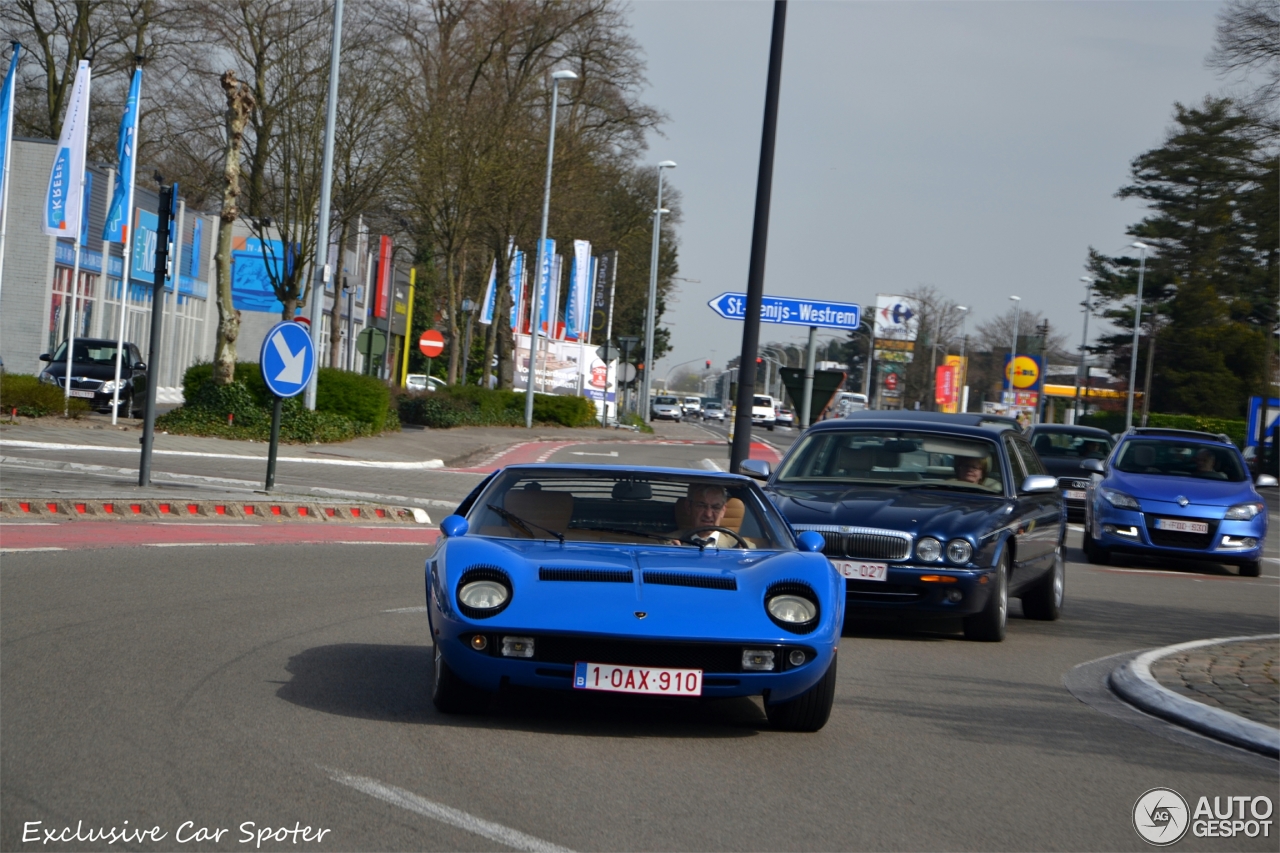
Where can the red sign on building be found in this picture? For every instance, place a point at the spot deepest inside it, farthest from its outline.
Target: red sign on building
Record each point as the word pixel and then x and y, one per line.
pixel 382 293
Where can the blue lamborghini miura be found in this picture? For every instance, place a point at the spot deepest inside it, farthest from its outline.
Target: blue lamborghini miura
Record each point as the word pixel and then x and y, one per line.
pixel 634 580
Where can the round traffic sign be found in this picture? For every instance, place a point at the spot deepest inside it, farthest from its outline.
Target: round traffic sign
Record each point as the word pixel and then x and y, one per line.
pixel 891 382
pixel 287 359
pixel 431 343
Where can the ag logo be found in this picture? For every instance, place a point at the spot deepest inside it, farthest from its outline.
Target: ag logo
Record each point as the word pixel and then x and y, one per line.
pixel 1160 816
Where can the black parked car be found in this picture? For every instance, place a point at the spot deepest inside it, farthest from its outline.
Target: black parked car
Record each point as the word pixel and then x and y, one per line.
pixel 1063 450
pixel 93 373
pixel 928 514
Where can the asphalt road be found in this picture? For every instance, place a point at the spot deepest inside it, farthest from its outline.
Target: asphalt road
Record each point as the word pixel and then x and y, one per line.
pixel 285 686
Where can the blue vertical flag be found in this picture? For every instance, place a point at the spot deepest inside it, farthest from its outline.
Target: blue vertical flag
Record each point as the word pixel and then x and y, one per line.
pixel 576 305
pixel 84 208
pixel 117 225
pixel 543 286
pixel 6 125
pixel 515 280
pixel 490 295
pixel 62 201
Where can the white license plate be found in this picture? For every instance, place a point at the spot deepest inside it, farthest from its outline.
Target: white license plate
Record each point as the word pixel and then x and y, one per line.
pixel 637 679
pixel 1181 526
pixel 1074 495
pixel 860 571
pixel 75 393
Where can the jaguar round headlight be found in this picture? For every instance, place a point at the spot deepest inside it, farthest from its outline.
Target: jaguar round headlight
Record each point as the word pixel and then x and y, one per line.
pixel 792 609
pixel 928 550
pixel 483 595
pixel 959 551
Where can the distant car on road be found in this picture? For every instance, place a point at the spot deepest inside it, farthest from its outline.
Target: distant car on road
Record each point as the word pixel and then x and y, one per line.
pixel 927 514
pixel 712 410
pixel 666 408
pixel 691 406
pixel 422 382
pixel 785 417
pixel 1175 493
pixel 1064 449
pixel 762 411
pixel 93 374
pixel 654 581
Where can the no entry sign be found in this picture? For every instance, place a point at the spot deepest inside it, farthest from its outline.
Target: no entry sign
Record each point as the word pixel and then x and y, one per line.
pixel 431 343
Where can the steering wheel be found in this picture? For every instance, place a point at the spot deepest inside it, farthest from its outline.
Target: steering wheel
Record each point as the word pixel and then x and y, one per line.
pixel 688 539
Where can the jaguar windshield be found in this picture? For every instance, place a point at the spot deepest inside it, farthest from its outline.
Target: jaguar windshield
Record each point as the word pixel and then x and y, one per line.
pixel 628 507
pixel 894 457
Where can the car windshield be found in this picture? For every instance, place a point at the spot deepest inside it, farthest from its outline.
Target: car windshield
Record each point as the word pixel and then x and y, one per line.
pixel 762 401
pixel 1175 458
pixel 666 401
pixel 626 507
pixel 691 401
pixel 898 457
pixel 89 352
pixel 1060 443
pixel 712 406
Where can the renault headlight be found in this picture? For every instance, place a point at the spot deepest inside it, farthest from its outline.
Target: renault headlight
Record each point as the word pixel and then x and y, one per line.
pixel 1120 500
pixel 1244 512
pixel 928 550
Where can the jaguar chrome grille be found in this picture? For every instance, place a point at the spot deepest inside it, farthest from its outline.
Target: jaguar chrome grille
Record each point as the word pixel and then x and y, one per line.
pixel 551 573
pixel 693 579
pixel 858 543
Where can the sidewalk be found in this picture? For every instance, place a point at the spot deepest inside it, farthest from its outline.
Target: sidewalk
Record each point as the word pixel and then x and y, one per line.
pixel 1226 688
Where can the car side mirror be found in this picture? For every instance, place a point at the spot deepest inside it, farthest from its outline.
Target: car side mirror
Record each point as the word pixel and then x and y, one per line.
pixel 756 468
pixel 141 365
pixel 811 540
pixel 1266 480
pixel 1037 483
pixel 454 525
pixel 1094 465
pixel 44 356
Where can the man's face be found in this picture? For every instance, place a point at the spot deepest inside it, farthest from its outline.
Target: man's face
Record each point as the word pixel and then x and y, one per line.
pixel 969 469
pixel 708 507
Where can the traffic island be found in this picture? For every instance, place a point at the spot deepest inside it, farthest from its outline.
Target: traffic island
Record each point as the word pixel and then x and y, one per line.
pixel 1225 688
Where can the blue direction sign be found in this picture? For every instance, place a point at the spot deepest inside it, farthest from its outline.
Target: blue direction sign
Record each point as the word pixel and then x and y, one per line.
pixel 287 359
pixel 791 312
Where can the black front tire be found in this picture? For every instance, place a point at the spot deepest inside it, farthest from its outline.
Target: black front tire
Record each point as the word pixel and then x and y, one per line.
pixel 1251 570
pixel 449 693
pixel 1044 600
pixel 1093 552
pixel 809 711
pixel 988 625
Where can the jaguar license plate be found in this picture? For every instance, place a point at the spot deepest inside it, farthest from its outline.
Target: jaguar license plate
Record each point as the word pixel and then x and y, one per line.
pixel 637 679
pixel 1074 495
pixel 860 571
pixel 1181 526
pixel 75 393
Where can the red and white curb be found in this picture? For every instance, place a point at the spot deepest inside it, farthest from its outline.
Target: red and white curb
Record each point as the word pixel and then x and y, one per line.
pixel 150 510
pixel 1134 682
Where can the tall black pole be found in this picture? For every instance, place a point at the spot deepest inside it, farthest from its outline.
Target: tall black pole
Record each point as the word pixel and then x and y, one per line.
pixel 167 195
pixel 759 242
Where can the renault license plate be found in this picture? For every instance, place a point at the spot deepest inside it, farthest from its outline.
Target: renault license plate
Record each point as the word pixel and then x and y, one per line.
pixel 1181 526
pixel 861 571
pixel 637 679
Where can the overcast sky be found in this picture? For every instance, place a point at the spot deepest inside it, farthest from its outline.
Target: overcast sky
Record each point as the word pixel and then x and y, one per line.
pixel 973 146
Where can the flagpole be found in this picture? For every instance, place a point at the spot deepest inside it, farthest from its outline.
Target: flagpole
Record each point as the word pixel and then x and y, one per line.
pixel 10 84
pixel 127 246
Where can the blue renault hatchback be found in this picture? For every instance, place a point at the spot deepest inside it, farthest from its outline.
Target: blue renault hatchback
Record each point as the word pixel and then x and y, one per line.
pixel 1175 493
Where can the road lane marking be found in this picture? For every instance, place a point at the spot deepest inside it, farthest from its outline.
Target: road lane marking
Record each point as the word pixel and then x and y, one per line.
pixel 710 465
pixel 446 814
pixel 195 544
pixel 407 610
pixel 613 453
pixel 350 463
pixel 27 550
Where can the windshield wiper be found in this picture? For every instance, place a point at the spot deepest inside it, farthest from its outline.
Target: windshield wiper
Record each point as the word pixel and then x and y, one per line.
pixel 627 532
pixel 508 516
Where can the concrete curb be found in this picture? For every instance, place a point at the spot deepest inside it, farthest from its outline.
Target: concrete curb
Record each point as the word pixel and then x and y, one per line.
pixel 147 509
pixel 1134 682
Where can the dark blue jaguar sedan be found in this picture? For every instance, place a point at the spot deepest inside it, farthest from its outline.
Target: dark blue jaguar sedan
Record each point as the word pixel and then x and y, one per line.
pixel 929 514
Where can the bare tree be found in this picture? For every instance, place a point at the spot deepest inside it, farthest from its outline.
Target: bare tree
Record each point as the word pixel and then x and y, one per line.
pixel 1248 42
pixel 240 104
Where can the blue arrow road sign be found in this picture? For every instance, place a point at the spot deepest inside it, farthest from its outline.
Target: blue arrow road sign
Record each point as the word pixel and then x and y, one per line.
pixel 287 359
pixel 791 312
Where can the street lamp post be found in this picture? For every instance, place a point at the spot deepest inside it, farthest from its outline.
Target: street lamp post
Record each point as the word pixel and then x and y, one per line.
pixel 1013 349
pixel 653 294
pixel 1083 372
pixel 536 292
pixel 963 379
pixel 1137 327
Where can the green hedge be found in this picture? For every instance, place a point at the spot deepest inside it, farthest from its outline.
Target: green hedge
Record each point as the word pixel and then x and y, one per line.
pixel 1114 422
pixel 35 399
pixel 471 405
pixel 206 414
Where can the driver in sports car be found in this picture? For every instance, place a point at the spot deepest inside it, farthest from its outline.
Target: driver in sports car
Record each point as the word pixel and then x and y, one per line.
pixel 705 510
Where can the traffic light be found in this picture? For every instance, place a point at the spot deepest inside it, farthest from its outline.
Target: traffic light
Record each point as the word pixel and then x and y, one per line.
pixel 759 361
pixel 708 364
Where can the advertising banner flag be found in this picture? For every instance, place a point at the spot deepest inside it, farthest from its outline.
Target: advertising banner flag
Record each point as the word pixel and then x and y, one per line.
pixel 490 295
pixel 6 127
pixel 603 293
pixel 588 312
pixel 382 296
pixel 63 201
pixel 944 393
pixel 575 309
pixel 515 280
pixel 117 225
pixel 543 284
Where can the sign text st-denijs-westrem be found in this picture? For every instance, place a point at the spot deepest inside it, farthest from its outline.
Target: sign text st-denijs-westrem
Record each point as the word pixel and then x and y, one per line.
pixel 790 311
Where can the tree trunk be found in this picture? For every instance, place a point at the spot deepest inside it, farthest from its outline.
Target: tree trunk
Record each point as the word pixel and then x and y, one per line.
pixel 240 103
pixel 335 316
pixel 454 273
